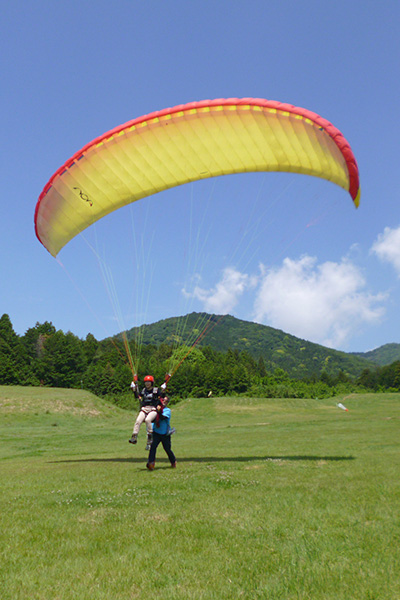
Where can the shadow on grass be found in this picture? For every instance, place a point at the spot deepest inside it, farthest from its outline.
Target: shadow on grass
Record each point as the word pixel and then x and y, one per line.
pixel 208 459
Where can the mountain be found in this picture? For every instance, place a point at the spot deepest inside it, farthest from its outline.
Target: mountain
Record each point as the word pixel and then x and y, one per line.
pixel 384 355
pixel 278 349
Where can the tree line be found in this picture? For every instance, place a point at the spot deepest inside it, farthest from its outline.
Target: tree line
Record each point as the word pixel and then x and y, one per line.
pixel 49 357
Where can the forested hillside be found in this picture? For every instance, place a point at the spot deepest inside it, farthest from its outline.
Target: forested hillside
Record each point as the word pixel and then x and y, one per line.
pixel 247 359
pixel 297 357
pixel 384 355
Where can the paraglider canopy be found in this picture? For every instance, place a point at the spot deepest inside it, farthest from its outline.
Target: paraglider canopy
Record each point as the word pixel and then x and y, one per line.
pixel 183 144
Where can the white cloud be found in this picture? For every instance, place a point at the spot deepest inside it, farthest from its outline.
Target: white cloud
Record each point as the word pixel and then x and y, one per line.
pixel 225 295
pixel 321 303
pixel 387 247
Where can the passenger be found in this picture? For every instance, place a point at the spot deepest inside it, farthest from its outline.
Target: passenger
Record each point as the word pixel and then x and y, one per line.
pixel 149 398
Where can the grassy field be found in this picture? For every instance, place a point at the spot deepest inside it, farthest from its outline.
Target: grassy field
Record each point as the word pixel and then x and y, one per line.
pixel 271 499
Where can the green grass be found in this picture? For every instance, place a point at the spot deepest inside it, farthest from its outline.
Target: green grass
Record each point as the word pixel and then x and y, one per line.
pixel 271 499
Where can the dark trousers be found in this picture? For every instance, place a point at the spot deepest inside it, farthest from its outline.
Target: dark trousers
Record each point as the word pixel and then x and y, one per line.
pixel 166 442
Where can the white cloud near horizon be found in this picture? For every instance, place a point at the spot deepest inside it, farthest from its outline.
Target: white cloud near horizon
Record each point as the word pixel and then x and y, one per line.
pixel 387 247
pixel 226 294
pixel 324 303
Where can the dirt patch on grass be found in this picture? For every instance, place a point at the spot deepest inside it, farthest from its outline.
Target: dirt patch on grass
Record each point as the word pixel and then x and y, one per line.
pixel 18 400
pixel 48 407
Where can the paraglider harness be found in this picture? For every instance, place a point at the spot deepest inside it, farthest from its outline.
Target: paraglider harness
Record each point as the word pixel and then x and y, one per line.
pixel 150 397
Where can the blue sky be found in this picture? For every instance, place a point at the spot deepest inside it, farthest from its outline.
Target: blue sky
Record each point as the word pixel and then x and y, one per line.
pixel 288 251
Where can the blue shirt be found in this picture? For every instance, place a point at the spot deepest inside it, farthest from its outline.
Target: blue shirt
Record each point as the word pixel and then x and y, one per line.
pixel 163 426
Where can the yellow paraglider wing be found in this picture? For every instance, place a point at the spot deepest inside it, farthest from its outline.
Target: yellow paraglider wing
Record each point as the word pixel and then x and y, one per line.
pixel 187 143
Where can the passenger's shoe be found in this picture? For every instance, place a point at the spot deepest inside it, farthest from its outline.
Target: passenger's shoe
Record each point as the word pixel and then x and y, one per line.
pixel 133 439
pixel 173 465
pixel 150 466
